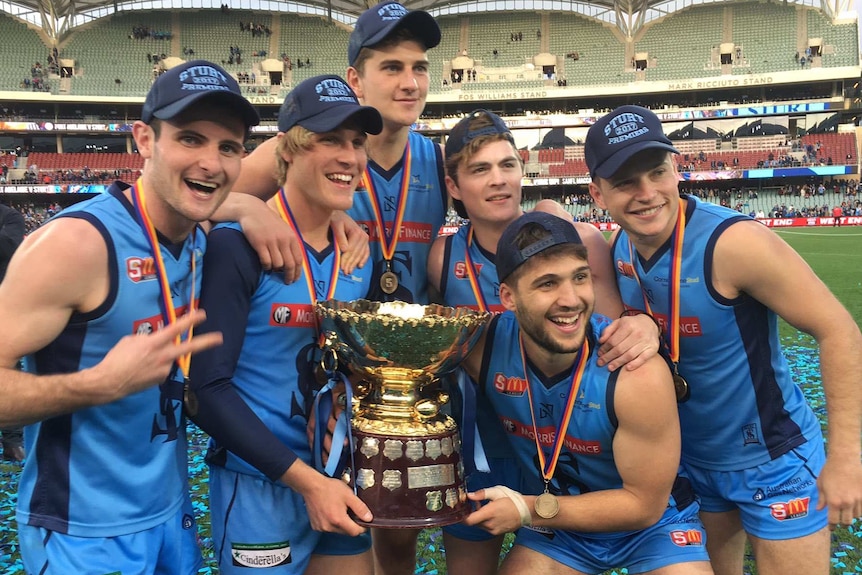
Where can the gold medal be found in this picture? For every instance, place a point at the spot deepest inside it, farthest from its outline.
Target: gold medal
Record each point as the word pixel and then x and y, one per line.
pixel 680 385
pixel 388 282
pixel 546 505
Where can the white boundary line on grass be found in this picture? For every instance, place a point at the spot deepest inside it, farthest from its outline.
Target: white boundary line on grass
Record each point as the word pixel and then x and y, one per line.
pixel 786 231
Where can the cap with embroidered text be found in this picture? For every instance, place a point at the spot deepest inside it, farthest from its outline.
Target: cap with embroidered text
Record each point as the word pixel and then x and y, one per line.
pixel 379 21
pixel 621 134
pixel 322 103
pixel 465 131
pixel 188 83
pixel 509 257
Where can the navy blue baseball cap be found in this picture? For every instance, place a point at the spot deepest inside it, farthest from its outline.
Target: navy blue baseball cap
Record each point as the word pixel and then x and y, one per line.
pixel 462 134
pixel 509 257
pixel 621 134
pixel 187 84
pixel 378 22
pixel 322 103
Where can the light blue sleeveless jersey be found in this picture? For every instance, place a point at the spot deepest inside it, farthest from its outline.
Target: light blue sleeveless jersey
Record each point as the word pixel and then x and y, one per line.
pixel 424 214
pixel 121 467
pixel 455 284
pixel 744 408
pixel 586 461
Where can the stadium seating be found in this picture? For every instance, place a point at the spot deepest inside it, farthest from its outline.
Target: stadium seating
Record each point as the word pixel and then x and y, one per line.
pixel 22 48
pixel 77 161
pixel 601 55
pixel 680 45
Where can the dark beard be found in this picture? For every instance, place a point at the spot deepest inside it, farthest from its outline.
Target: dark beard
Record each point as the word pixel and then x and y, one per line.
pixel 542 338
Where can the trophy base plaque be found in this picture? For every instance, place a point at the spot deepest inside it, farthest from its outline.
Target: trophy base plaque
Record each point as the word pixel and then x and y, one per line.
pixel 410 481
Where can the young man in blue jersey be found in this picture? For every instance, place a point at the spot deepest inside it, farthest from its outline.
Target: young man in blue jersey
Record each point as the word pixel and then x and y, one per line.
pixel 717 281
pixel 598 449
pixel 104 487
pixel 483 175
pixel 402 201
pixel 255 392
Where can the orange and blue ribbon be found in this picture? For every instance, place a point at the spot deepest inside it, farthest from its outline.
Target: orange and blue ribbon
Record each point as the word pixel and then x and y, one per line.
pixel 549 464
pixel 287 216
pixel 473 276
pixel 673 321
pixel 169 312
pixel 388 245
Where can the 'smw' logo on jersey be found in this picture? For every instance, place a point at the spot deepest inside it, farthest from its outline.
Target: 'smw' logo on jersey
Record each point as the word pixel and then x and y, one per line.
pixel 626 269
pixel 510 385
pixel 793 509
pixel 461 270
pixel 686 537
pixel 140 269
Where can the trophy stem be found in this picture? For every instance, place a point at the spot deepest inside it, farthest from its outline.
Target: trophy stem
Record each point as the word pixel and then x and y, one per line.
pixel 396 397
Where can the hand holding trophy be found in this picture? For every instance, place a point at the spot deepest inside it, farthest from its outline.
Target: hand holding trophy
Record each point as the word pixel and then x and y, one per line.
pixel 406 460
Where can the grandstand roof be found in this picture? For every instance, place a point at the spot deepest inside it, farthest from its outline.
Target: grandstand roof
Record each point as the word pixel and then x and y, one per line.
pixel 57 18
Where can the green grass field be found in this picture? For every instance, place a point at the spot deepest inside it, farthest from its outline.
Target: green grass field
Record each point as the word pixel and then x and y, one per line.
pixel 834 254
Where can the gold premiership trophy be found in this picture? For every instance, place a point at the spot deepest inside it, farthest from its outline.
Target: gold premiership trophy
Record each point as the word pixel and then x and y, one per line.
pixel 407 454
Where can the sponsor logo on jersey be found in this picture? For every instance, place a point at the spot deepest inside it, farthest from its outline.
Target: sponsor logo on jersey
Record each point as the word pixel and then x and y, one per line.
pixel 750 436
pixel 626 269
pixel 140 269
pixel 686 537
pixel 292 315
pixel 789 487
pixel 415 232
pixel 147 325
pixel 261 555
pixel 460 269
pixel 514 386
pixel 793 509
pixel 688 326
pixel 547 435
pixel 509 425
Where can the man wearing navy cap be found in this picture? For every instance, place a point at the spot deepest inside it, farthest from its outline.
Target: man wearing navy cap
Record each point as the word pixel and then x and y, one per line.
pixel 598 449
pixel 717 281
pixel 254 393
pixel 483 176
pixel 402 200
pixel 100 302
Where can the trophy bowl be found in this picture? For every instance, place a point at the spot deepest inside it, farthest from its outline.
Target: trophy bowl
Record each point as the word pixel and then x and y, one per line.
pixel 407 454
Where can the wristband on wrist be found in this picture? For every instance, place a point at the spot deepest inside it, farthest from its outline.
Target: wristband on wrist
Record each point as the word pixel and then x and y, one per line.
pixel 499 491
pixel 631 312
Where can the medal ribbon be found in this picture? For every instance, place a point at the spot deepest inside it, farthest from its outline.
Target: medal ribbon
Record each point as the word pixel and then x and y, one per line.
pixel 388 246
pixel 169 312
pixel 473 276
pixel 287 216
pixel 550 465
pixel 673 289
